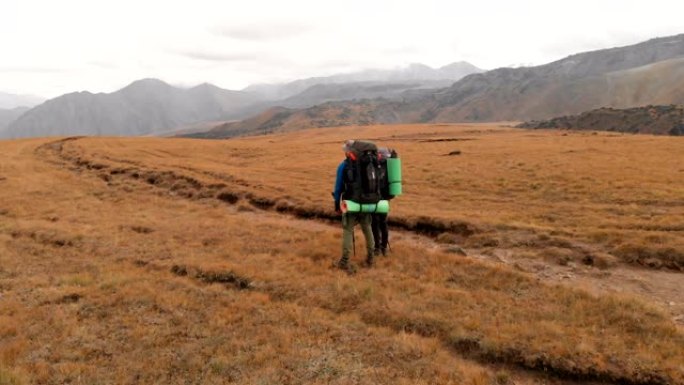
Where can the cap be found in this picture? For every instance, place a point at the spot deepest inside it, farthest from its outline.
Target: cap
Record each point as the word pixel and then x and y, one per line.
pixel 346 147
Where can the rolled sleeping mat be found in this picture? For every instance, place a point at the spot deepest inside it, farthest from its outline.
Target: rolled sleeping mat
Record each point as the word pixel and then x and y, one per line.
pixel 395 189
pixel 394 176
pixel 382 207
pixel 350 207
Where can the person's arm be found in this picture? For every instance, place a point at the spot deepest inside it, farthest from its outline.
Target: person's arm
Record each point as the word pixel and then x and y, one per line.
pixel 339 185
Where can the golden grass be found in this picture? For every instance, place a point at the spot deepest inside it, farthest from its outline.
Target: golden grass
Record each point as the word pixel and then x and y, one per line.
pixel 109 277
pixel 7 378
pixel 614 192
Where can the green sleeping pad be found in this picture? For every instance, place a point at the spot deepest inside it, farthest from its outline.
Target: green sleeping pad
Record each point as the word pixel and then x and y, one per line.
pixel 381 207
pixel 394 176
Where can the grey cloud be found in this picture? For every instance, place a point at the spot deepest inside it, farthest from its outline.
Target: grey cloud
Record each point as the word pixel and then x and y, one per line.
pixel 261 32
pixel 341 66
pixel 586 43
pixel 104 64
pixel 402 50
pixel 33 69
pixel 334 63
pixel 219 56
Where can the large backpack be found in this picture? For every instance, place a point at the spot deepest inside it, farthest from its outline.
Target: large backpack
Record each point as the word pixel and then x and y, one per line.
pixel 362 171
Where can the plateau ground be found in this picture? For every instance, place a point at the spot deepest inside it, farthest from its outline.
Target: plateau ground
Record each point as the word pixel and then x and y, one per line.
pixel 517 257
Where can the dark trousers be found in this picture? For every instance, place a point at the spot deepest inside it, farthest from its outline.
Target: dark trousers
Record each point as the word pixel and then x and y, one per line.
pixel 380 233
pixel 349 221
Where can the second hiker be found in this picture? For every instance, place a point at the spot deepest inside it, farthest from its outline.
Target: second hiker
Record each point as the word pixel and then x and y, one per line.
pixel 379 219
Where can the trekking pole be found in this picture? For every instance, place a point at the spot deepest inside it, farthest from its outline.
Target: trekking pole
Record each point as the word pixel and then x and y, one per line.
pixel 354 241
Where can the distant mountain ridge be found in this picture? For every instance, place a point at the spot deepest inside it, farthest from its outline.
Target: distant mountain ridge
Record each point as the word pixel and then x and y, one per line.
pixel 11 101
pixel 420 75
pixel 152 107
pixel 144 107
pixel 651 72
pixel 9 115
pixel 604 78
pixel 658 120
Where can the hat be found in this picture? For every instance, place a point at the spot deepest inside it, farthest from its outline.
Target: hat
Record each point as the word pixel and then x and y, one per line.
pixel 346 147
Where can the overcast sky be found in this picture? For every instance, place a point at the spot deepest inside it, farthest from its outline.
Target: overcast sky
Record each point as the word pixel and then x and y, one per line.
pixel 52 47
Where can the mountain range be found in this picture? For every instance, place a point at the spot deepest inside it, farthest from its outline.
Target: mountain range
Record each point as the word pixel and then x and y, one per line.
pixel 144 107
pixel 152 107
pixel 416 74
pixel 647 73
pixel 7 116
pixel 13 106
pixel 12 101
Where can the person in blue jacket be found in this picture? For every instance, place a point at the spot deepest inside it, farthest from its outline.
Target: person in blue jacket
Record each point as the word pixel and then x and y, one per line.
pixel 350 220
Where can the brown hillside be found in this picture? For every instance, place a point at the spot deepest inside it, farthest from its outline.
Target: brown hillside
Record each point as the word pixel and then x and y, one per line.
pixel 333 114
pixel 147 260
pixel 529 96
pixel 659 120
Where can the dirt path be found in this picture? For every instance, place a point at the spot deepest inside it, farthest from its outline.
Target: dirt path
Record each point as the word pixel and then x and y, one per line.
pixel 660 288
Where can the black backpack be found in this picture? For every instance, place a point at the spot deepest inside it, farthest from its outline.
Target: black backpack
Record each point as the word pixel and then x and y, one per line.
pixel 362 184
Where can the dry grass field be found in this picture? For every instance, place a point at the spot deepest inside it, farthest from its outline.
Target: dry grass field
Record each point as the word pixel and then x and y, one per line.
pixel 188 261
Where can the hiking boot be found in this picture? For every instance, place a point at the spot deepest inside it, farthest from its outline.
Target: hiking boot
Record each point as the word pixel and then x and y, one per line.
pixel 383 251
pixel 370 261
pixel 376 252
pixel 346 267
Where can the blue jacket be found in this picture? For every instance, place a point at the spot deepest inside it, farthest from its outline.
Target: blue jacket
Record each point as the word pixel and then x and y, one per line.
pixel 339 182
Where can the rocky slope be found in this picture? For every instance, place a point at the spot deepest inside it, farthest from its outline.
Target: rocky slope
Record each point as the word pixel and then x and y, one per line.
pixel 333 114
pixel 647 73
pixel 659 120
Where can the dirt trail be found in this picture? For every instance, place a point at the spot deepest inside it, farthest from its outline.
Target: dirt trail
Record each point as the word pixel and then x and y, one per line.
pixel 661 288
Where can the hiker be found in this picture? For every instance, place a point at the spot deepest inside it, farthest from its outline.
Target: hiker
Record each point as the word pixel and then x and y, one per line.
pixel 379 220
pixel 348 185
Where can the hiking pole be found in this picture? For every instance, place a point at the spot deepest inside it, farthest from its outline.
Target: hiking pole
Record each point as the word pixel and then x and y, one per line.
pixel 354 241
